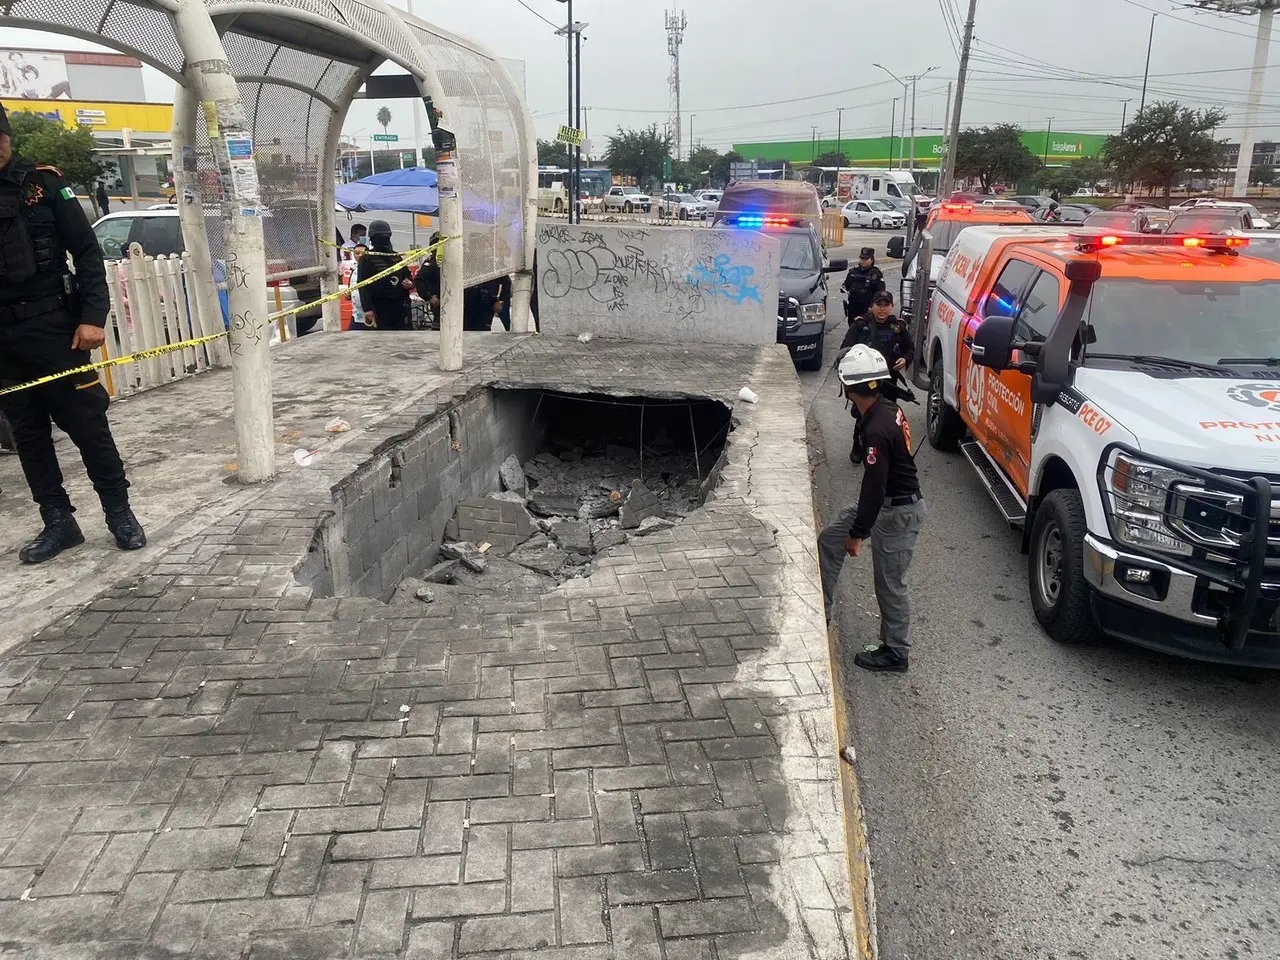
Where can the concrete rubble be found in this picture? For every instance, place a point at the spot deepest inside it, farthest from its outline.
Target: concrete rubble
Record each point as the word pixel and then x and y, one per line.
pixel 555 514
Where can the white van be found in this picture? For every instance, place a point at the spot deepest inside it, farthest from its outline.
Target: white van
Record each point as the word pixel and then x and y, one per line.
pixel 890 185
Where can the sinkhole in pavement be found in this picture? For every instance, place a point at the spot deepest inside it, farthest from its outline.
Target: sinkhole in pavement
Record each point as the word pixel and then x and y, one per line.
pixel 513 492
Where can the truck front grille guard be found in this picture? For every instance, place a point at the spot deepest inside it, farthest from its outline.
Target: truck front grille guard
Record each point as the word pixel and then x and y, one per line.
pixel 1247 566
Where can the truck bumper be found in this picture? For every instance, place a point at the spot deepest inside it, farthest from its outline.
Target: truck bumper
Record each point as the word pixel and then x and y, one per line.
pixel 803 340
pixel 1173 612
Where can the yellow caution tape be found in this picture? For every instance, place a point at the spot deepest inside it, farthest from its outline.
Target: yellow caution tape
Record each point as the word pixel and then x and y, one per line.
pixel 152 352
pixel 148 354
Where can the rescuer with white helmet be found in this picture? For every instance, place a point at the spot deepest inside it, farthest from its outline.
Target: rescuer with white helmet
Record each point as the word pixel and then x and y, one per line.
pixel 889 512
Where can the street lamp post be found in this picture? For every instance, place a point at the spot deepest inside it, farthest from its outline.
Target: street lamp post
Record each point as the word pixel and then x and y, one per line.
pixel 906 82
pixel 1124 114
pixel 567 31
pixel 1047 134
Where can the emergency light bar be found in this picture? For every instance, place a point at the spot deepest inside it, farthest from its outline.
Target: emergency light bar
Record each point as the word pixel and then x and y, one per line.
pixel 1092 242
pixel 958 207
pixel 757 221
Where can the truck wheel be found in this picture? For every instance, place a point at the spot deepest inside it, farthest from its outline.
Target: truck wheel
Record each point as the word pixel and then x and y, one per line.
pixel 943 424
pixel 1055 568
pixel 875 224
pixel 559 208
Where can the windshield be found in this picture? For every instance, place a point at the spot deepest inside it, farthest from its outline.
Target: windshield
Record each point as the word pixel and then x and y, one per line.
pixel 910 189
pixel 685 198
pixel 798 254
pixel 944 232
pixel 1192 320
pixel 630 191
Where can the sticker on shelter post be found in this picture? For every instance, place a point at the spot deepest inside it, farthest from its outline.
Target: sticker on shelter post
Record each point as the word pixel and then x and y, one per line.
pixel 240 148
pixel 211 118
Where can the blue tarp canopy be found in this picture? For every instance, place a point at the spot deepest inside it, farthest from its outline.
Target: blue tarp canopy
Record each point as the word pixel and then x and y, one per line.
pixel 412 190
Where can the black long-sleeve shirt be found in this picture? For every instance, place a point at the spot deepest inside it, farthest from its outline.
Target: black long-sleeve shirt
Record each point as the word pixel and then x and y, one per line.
pixel 889 469
pixel 50 207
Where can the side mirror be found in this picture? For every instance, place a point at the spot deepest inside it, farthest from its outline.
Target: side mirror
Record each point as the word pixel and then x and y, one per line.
pixel 897 247
pixel 836 266
pixel 992 345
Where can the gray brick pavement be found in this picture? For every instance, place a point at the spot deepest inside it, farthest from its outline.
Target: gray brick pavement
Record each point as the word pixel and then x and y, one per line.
pixel 209 761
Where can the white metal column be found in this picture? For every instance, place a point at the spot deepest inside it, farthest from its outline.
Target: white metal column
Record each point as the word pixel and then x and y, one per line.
pixel 250 336
pixel 1261 50
pixel 195 235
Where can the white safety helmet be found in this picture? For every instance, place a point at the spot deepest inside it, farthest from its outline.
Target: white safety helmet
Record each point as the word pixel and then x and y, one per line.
pixel 863 366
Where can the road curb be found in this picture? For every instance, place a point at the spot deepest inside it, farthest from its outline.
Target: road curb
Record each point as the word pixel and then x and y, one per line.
pixel 857 846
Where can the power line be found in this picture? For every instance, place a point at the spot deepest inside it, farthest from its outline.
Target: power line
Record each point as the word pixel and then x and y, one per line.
pixel 554 26
pixel 1202 26
pixel 753 106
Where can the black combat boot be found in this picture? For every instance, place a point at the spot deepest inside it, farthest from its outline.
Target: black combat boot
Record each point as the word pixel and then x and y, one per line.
pixel 61 532
pixel 882 659
pixel 124 526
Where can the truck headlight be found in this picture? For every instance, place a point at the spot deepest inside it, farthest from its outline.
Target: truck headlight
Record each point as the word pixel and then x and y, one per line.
pixel 1139 494
pixel 810 312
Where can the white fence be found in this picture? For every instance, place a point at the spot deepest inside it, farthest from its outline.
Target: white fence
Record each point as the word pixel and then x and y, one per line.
pixel 153 305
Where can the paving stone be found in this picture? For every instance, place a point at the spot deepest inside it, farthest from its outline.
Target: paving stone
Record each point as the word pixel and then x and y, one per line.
pixel 239 767
pixel 512 475
pixel 640 504
pixel 554 503
pixel 466 553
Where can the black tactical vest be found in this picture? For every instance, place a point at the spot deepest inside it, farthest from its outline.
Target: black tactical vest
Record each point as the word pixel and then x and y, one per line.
pixel 17 253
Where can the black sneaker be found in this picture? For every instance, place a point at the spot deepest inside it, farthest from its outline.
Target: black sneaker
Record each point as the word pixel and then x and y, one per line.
pixel 61 532
pixel 124 526
pixel 882 659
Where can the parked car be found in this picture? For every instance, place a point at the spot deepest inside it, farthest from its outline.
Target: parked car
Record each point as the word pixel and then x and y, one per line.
pixel 711 199
pixel 1068 214
pixel 1258 221
pixel 682 206
pixel 159 233
pixel 1087 192
pixel 627 200
pixel 872 213
pixel 1213 220
pixel 1033 203
pixel 1131 221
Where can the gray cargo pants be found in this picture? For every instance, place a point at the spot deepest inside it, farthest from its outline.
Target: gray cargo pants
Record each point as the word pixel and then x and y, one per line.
pixel 893 544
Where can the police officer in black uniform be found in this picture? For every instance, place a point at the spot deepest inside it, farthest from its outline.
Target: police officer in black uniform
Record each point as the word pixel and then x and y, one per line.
pixel 386 302
pixel 879 328
pixel 50 318
pixel 862 283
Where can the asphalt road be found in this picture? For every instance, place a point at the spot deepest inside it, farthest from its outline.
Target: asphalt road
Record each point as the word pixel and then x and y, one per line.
pixel 1028 800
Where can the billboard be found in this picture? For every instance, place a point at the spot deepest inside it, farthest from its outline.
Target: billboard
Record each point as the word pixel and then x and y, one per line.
pixel 33 75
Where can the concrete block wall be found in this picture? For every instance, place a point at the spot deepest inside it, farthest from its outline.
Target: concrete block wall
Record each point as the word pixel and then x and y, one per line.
pixel 391 514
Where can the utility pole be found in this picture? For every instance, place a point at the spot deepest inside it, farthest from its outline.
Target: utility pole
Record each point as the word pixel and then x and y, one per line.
pixel 839 147
pixel 577 119
pixel 953 139
pixel 1047 134
pixel 946 145
pixel 911 170
pixel 1124 114
pixel 893 128
pixel 1142 104
pixel 567 30
pixel 813 146
pixel 691 116
pixel 1266 9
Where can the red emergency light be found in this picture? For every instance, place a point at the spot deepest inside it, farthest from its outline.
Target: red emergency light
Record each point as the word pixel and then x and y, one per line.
pixel 958 207
pixel 1092 242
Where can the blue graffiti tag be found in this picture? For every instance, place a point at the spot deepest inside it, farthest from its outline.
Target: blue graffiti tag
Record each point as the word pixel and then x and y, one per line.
pixel 721 279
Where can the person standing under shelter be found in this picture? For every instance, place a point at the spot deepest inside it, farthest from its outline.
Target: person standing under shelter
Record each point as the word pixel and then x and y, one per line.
pixel 50 320
pixel 385 301
pixel 889 513
pixel 104 201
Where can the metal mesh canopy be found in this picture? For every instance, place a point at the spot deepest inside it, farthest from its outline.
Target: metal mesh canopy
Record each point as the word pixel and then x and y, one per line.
pixel 297 64
pixel 486 113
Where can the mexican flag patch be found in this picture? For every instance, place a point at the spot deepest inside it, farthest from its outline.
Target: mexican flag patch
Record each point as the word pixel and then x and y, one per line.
pixel 66 193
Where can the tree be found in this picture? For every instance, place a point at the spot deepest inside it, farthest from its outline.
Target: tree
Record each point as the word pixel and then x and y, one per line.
pixel 994 153
pixel 1164 142
pixel 41 140
pixel 1063 180
pixel 1264 176
pixel 1091 171
pixel 553 153
pixel 638 153
pixel 720 172
pixel 702 163
pixel 384 117
pixel 831 158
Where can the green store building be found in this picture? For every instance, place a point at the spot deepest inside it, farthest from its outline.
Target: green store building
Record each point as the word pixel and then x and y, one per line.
pixel 1057 148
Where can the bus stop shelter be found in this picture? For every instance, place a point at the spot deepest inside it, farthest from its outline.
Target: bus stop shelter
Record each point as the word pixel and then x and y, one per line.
pixel 262 90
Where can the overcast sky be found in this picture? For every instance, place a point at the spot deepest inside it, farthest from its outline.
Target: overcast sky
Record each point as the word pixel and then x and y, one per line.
pixel 775 69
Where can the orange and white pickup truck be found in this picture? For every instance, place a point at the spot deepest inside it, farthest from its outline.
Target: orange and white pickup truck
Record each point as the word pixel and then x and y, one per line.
pixel 1119 396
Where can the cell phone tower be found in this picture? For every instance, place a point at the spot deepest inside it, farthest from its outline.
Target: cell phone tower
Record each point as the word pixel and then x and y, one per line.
pixel 676 24
pixel 1266 12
